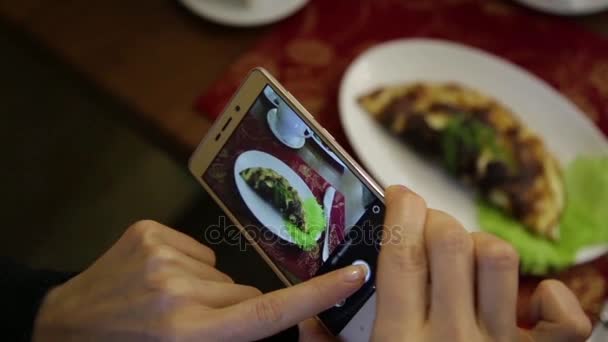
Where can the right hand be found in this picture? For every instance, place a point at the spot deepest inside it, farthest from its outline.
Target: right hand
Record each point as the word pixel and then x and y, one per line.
pixel 437 282
pixel 158 284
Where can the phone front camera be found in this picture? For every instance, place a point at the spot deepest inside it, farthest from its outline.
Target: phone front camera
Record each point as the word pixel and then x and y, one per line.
pixel 238 108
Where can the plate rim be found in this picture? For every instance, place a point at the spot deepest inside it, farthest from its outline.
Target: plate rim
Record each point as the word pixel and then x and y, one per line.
pixel 566 7
pixel 195 7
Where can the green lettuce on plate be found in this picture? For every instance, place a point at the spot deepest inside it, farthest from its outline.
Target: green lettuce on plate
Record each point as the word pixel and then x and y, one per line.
pixel 584 221
pixel 314 219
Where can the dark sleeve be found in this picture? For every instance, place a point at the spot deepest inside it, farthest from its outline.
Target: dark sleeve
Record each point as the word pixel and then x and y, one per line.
pixel 21 293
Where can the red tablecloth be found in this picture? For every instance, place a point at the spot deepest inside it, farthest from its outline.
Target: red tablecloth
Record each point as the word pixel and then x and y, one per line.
pixel 309 52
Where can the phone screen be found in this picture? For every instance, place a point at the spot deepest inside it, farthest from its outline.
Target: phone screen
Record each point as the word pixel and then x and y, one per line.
pixel 295 197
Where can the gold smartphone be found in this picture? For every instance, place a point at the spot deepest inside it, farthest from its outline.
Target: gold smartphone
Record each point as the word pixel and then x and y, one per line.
pixel 305 205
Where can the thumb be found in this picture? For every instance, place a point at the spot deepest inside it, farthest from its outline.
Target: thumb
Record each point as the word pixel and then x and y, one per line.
pixel 276 311
pixel 557 315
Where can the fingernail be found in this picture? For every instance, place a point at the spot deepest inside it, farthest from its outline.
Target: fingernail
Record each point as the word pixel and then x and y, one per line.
pixel 393 190
pixel 354 274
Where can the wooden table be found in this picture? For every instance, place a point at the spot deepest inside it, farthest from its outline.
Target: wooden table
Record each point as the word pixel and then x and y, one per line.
pixel 152 54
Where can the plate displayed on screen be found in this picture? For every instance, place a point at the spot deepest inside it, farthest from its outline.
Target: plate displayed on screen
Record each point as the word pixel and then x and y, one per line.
pixel 268 215
pixel 564 128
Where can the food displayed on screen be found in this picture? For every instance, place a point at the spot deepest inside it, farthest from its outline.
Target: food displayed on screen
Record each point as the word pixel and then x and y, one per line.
pixel 276 190
pixel 480 141
pixel 304 219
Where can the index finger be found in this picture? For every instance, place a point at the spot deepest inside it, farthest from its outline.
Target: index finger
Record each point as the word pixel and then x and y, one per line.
pixel 271 313
pixel 402 266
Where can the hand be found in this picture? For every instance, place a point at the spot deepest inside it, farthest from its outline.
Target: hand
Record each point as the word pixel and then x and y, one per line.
pixel 436 282
pixel 158 284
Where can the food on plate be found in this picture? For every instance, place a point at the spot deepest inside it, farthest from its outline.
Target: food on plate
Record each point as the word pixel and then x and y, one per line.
pixel 582 224
pixel 304 219
pixel 277 191
pixel 315 224
pixel 480 141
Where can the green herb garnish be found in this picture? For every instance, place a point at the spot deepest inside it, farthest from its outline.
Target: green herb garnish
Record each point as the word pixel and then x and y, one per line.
pixel 465 134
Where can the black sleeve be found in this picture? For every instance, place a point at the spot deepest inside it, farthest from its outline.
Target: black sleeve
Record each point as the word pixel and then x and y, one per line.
pixel 21 293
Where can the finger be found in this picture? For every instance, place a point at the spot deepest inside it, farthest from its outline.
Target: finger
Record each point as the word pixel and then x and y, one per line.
pixel 450 250
pixel 276 311
pixel 497 282
pixel 201 270
pixel 182 242
pixel 162 258
pixel 402 266
pixel 208 294
pixel 189 246
pixel 222 295
pixel 558 314
pixel 312 331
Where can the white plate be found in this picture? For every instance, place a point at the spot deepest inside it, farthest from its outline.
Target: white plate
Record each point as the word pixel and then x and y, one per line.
pixel 567 7
pixel 262 210
pixel 244 13
pixel 566 131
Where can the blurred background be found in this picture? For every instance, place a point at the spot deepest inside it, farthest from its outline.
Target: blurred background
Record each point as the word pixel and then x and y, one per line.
pixel 98 124
pixel 103 101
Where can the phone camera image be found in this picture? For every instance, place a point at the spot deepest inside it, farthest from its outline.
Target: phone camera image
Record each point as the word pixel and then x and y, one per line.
pixel 294 196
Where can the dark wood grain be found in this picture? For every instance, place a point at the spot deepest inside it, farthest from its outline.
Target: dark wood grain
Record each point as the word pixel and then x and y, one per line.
pixel 152 54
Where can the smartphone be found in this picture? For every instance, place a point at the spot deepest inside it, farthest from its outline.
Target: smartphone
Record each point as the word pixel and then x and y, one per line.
pixel 305 205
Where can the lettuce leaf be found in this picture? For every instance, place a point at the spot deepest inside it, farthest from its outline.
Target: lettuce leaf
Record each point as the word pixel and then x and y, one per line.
pixel 315 222
pixel 584 221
